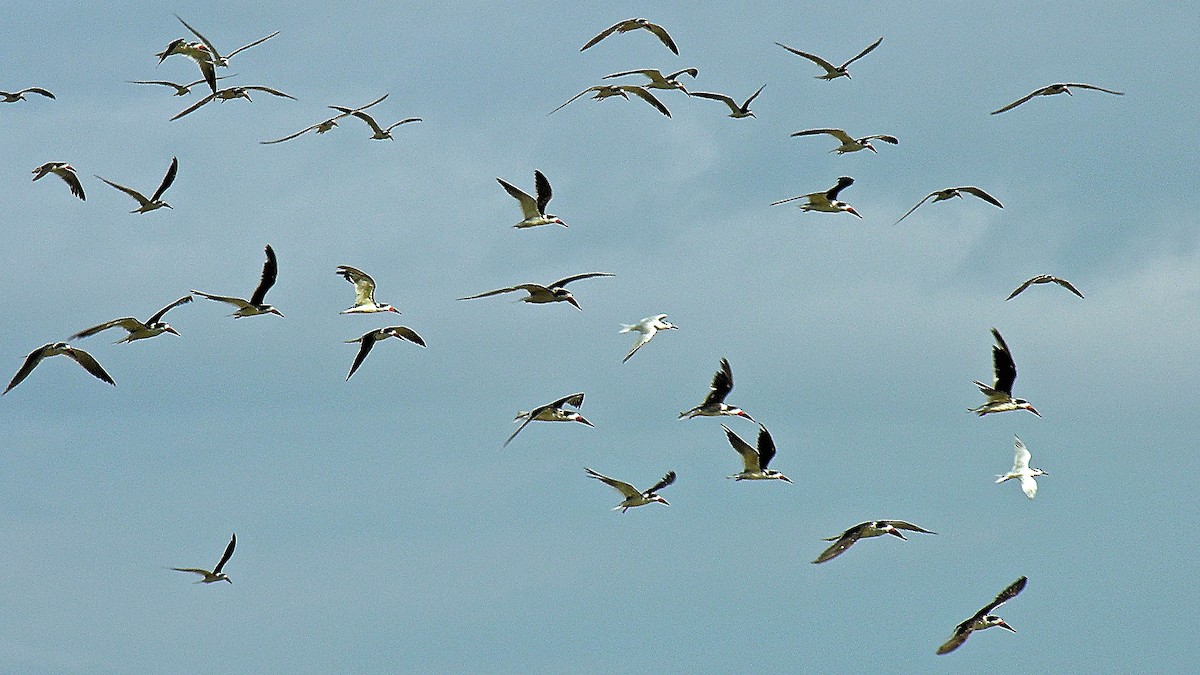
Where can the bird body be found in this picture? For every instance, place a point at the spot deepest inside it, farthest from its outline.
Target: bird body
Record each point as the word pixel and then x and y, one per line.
pixel 255 305
pixel 326 125
pixel 1044 279
pixel 216 574
pixel 736 111
pixel 755 460
pixel 983 619
pixel 368 340
pixel 657 79
pixel 1051 90
pixel 633 496
pixel 36 356
pixel 1022 471
pixel 538 294
pixel 137 330
pixel 999 395
pixel 228 94
pixel 848 142
pixel 64 171
pixel 714 404
pixel 378 133
pixel 155 201
pixel 826 201
pixel 364 292
pixel 874 528
pixel 950 193
pixel 832 72
pixel 14 96
pixel 603 91
pixel 554 411
pixel 533 209
pixel 646 328
pixel 180 89
pixel 213 54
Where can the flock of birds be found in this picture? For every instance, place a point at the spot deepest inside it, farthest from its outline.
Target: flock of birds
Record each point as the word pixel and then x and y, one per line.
pixel 756 459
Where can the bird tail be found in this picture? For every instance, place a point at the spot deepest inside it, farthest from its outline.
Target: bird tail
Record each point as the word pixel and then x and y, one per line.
pixel 625 328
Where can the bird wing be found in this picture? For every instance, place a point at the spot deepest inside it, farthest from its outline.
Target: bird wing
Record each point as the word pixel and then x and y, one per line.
pixel 722 384
pixel 208 73
pixel 237 302
pixel 843 542
pixel 216 55
pixel 273 92
pixel 843 183
pixel 1067 285
pixel 690 71
pixel 645 95
pixel 252 44
pixel 501 290
pixel 72 180
pixel 544 192
pixel 1080 85
pixel 654 75
pixel 666 480
pixel 904 525
pixel 225 556
pixel 406 333
pixel 269 273
pixel 529 205
pixel 89 364
pixel 129 323
pixel 193 570
pixel 836 133
pixel 981 194
pixel 43 92
pixel 923 200
pixel 403 121
pixel 863 53
pixel 596 88
pixel 302 131
pixel 35 357
pixel 661 33
pixel 766 447
pixel 1004 596
pixel 368 341
pixel 141 198
pixel 792 199
pixel 883 137
pixel 573 400
pixel 364 107
pixel 603 34
pixel 364 285
pixel 746 105
pixel 811 57
pixel 1010 106
pixel 642 339
pixel 961 633
pixel 167 179
pixel 563 282
pixel 190 109
pixel 528 419
pixel 1002 362
pixel 733 106
pixel 1020 457
pixel 1028 486
pixel 619 485
pixel 1028 282
pixel 749 454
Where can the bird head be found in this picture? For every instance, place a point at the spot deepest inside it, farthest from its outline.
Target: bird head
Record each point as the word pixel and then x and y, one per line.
pixel 848 209
pixel 890 529
pixel 390 308
pixel 1039 472
pixel 167 329
pixel 993 620
pixel 782 477
pixel 576 417
pixel 742 413
pixel 274 311
pixel 555 219
pixel 660 500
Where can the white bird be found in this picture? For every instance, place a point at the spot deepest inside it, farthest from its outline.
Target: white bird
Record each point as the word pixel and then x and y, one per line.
pixel 755 460
pixel 735 111
pixel 217 59
pixel 999 395
pixel 137 330
pixel 646 328
pixel 155 201
pixel 369 339
pixel 380 133
pixel 216 574
pixel 255 305
pixel 325 125
pixel 1044 279
pixel 180 89
pixel 832 72
pixel 198 53
pixel 949 193
pixel 534 210
pixel 552 292
pixel 657 79
pixel 364 292
pixel 714 404
pixel 1052 89
pixel 849 143
pixel 551 412
pixel 14 96
pixel 874 528
pixel 826 201
pixel 64 171
pixel 983 619
pixel 634 24
pixel 230 93
pixel 633 496
pixel 58 349
pixel 1021 470
pixel 622 90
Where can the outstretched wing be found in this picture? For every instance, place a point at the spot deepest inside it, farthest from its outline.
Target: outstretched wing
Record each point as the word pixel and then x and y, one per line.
pixel 645 95
pixel 1067 285
pixel 1080 85
pixel 661 33
pixel 1021 456
pixel 236 302
pixel 141 198
pixel 1010 106
pixel 367 342
pixel 1005 595
pixel 829 67
pixel 495 292
pixel 981 194
pixel 1002 361
pixel 906 213
pixel 902 525
pixel 529 205
pixel 563 282
pixel 749 454
pixel 228 552
pixel 618 485
pixel 129 323
pixel 252 44
pixel 364 285
pixel 863 53
pixel 35 357
pixel 269 273
pixel 544 192
pixel 722 384
pixel 167 179
pixel 836 133
pixel 1028 282
pixel 843 183
pixel 843 542
pixel 603 34
pixel 733 106
pixel 89 364
pixel 192 108
pixel 666 480
pixel 573 400
pixel 273 92
pixel 766 447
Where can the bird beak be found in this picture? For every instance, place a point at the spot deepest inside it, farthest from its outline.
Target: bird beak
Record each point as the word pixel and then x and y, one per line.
pixel 850 209
pixel 571 300
pixel 1030 409
pixel 583 421
pixel 275 311
pixel 746 415
pixel 785 479
pixel 171 330
pixel 560 222
pixel 664 501
pixel 393 309
pixel 872 149
pixel 1006 626
pixel 897 533
pixel 168 206
pixel 231 581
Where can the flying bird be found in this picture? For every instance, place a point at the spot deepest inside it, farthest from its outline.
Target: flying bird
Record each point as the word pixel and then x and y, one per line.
pixel 555 411
pixel 1021 470
pixel 874 528
pixel 369 339
pixel 137 330
pixel 622 90
pixel 1052 89
pixel 14 96
pixel 948 193
pixel 633 496
pixel 180 89
pixel 155 201
pixel 534 210
pixel 826 201
pixel 999 395
pixel 198 53
pixel 552 292
pixel 755 460
pixel 1044 279
pixel 634 24
pixel 735 111
pixel 832 72
pixel 64 171
pixel 646 329
pixel 228 94
pixel 217 59
pixel 325 125
pixel 216 574
pixel 714 404
pixel 983 619
pixel 380 133
pixel 657 79
pixel 848 142
pixel 364 292
pixel 58 349
pixel 255 305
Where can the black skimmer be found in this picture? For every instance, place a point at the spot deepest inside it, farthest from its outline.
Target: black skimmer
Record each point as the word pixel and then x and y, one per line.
pixel 552 292
pixel 155 201
pixel 58 349
pixel 64 171
pixel 14 96
pixel 230 93
pixel 369 339
pixel 364 292
pixel 622 90
pixel 826 201
pixel 180 89
pixel 735 111
pixel 255 305
pixel 657 79
pixel 551 412
pixel 755 460
pixel 646 328
pixel 138 330
pixel 216 574
pixel 634 24
pixel 714 404
pixel 1022 471
pixel 848 142
pixel 1052 89
pixel 633 496
pixel 325 125
pixel 999 395
pixel 199 54
pixel 379 132
pixel 832 72
pixel 1044 279
pixel 217 59
pixel 948 193
pixel 534 210
pixel 982 619
pixel 874 528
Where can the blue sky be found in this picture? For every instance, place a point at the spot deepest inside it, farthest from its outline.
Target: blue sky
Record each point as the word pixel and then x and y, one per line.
pixel 380 525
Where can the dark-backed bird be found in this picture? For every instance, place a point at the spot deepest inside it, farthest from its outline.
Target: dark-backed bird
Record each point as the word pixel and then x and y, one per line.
pixel 533 209
pixel 199 54
pixel 999 395
pixel 369 339
pixel 633 496
pixel 657 79
pixel 58 349
pixel 755 459
pixel 1021 469
pixel 735 111
pixel 180 89
pixel 873 528
pixel 826 201
pixel 622 90
pixel 714 404
pixel 378 133
pixel 325 125
pixel 155 201
pixel 552 292
pixel 983 618
pixel 634 24
pixel 949 193
pixel 64 171
pixel 554 411
pixel 1052 89
pixel 217 59
pixel 216 574
pixel 14 96
pixel 255 305
pixel 228 94
pixel 364 292
pixel 832 72
pixel 1044 279
pixel 848 142
pixel 137 330
pixel 646 330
